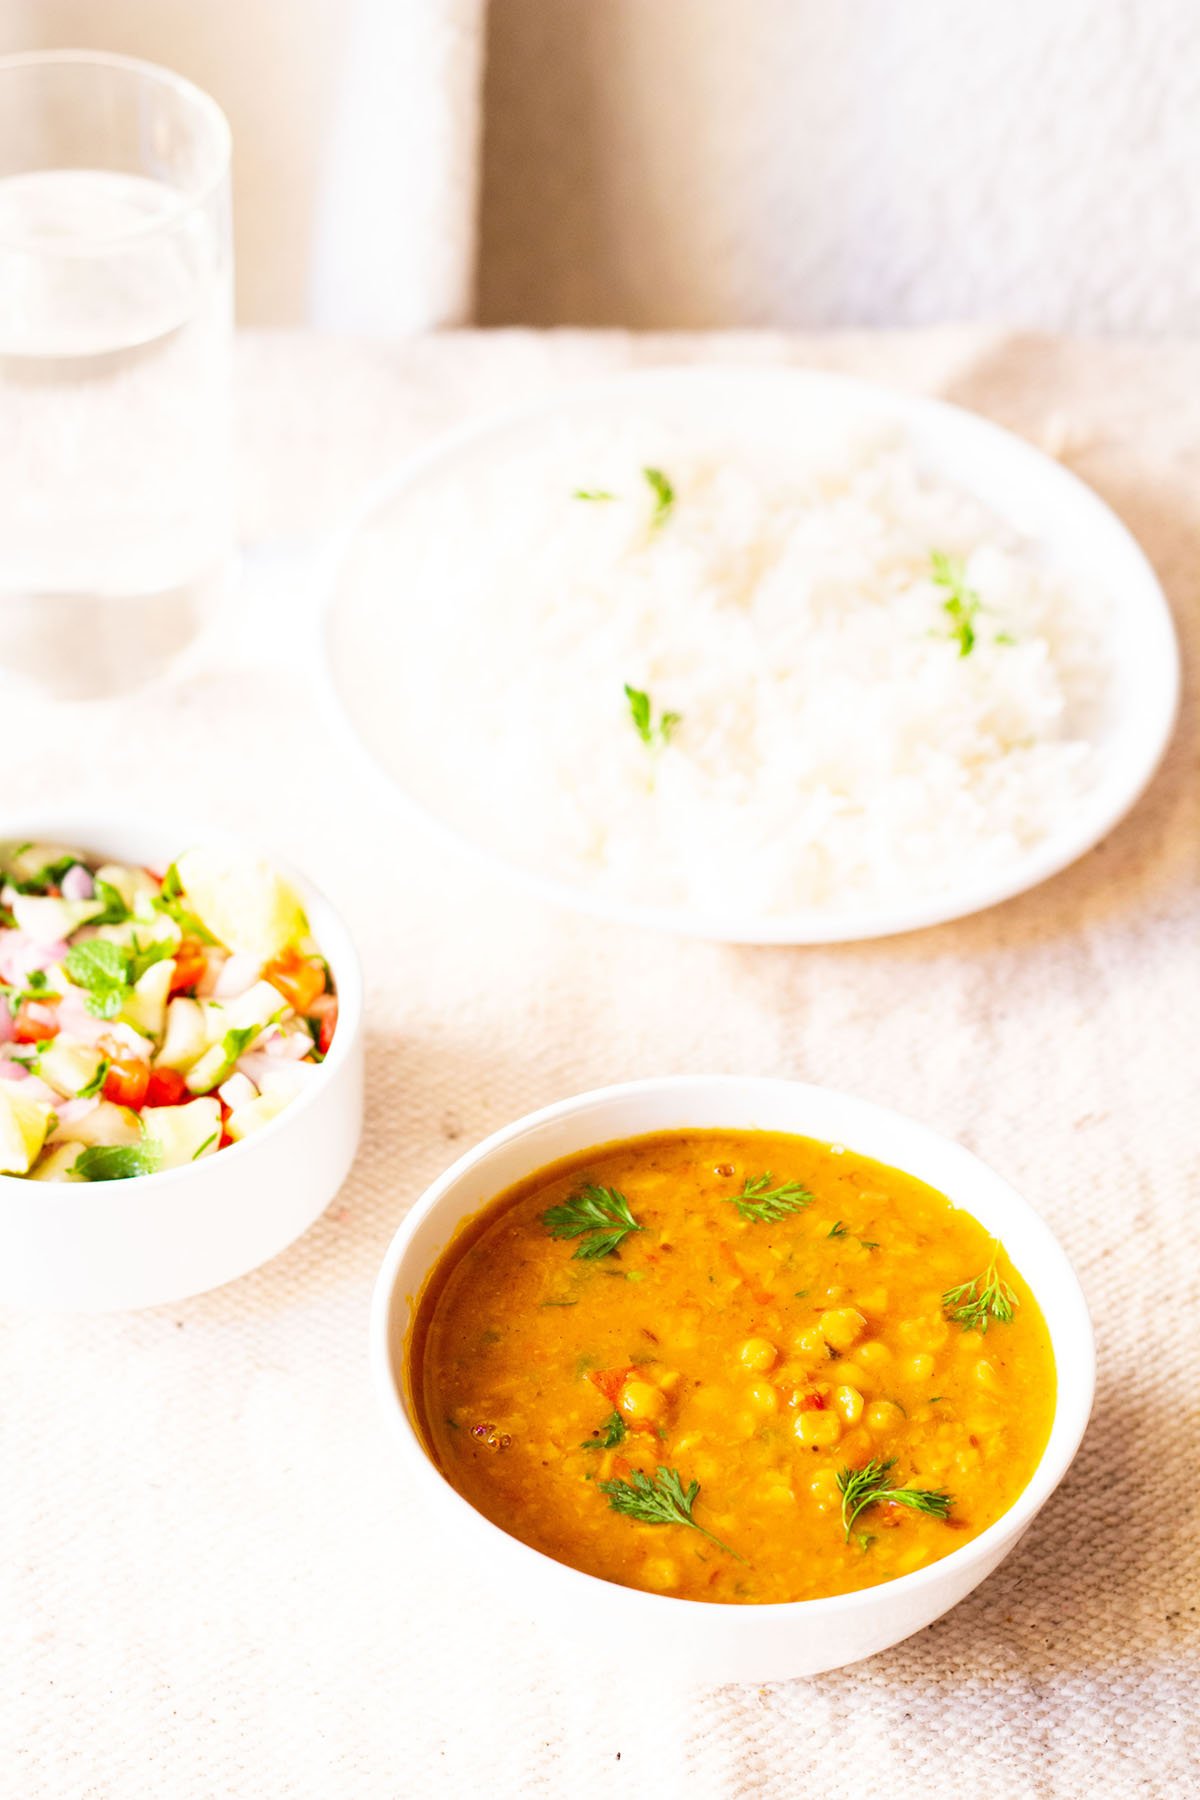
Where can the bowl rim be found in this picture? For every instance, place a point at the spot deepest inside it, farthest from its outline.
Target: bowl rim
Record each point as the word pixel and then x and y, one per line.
pixel 1102 810
pixel 63 828
pixel 1073 1408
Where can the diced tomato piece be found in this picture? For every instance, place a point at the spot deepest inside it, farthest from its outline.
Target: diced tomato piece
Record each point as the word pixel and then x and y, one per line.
pixel 127 1081
pixel 299 979
pixel 37 1021
pixel 813 1403
pixel 759 1296
pixel 190 965
pixel 325 1010
pixel 166 1087
pixel 611 1381
pixel 34 1028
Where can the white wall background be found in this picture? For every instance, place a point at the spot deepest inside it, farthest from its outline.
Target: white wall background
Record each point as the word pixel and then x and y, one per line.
pixel 820 162
pixel 695 162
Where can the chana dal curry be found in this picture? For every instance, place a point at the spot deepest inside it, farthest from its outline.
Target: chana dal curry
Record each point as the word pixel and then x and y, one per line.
pixel 732 1366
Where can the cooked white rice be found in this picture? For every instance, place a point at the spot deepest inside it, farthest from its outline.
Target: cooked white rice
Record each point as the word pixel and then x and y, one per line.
pixel 836 750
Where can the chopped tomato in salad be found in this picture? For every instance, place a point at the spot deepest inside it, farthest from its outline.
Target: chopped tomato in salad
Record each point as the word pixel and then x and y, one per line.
pixel 149 1020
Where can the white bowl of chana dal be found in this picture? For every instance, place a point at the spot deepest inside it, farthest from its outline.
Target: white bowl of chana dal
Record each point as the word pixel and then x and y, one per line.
pixel 738 1377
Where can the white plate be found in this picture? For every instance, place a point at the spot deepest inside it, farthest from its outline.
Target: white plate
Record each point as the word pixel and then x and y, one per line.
pixel 1041 500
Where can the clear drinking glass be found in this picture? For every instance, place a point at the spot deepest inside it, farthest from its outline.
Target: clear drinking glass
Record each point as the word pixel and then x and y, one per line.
pixel 116 280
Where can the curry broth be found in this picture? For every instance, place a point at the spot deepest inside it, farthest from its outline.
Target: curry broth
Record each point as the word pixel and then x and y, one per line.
pixel 756 1357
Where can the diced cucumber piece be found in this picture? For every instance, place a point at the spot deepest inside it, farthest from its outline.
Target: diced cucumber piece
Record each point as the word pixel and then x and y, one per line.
pixel 257 1006
pixel 213 1067
pixel 289 1078
pixel 59 1164
pixel 104 1124
pixel 135 886
pixel 183 1134
pixel 131 934
pixel 48 919
pixel 23 1128
pixel 70 1068
pixel 232 1029
pixel 186 1035
pixel 24 861
pixel 146 1007
pixel 255 1114
pixel 236 1091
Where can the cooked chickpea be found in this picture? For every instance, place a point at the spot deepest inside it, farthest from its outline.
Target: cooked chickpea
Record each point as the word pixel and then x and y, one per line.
pixel 824 1489
pixel 842 1327
pixel 679 1328
pixel 660 1573
pixel 776 1490
pixel 929 1332
pixel 873 1354
pixel 709 1401
pixel 758 1353
pixel 762 1397
pixel 851 1374
pixel 856 1447
pixel 919 1367
pixel 874 1301
pixel 849 1402
pixel 644 1404
pixel 809 1342
pixel 883 1415
pixel 818 1430
pixel 987 1375
pixel 743 1426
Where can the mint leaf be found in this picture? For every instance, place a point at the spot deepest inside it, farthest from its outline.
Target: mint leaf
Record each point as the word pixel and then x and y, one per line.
pixel 47 877
pixel 96 963
pixel 103 970
pixel 664 495
pixel 115 910
pixel 116 1162
pixel 144 956
pixel 639 712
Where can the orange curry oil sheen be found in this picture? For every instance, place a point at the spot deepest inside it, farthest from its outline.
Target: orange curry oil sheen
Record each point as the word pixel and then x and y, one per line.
pixel 791 1329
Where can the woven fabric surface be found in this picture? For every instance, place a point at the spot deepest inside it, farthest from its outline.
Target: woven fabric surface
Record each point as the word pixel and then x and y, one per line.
pixel 216 1580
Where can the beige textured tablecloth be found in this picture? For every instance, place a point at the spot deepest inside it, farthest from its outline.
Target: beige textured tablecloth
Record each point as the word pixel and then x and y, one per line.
pixel 214 1577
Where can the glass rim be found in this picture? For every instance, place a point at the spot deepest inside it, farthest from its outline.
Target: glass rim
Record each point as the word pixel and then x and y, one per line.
pixel 186 201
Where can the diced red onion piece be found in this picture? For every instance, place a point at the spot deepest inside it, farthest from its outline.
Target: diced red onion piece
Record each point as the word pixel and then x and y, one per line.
pixel 77 884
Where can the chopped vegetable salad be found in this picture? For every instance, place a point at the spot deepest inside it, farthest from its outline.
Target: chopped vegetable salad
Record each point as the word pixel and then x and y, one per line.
pixel 147 1020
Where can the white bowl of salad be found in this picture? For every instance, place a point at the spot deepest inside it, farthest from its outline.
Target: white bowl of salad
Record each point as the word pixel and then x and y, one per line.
pixel 180 1064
